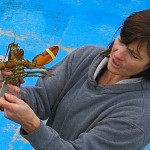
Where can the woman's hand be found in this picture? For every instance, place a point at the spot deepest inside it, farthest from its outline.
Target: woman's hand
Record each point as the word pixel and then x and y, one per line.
pixel 18 111
pixel 14 88
pixel 7 73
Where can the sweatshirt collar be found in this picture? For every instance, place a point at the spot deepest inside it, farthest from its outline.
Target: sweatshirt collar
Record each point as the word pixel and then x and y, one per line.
pixel 103 63
pixel 128 84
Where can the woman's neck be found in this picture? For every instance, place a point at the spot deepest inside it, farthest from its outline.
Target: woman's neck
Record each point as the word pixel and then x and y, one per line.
pixel 109 78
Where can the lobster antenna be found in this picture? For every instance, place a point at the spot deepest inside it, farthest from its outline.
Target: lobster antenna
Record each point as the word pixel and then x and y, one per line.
pixel 9 48
pixel 6 53
pixel 14 37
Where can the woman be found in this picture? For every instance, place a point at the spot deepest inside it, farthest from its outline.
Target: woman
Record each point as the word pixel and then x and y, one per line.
pixel 97 100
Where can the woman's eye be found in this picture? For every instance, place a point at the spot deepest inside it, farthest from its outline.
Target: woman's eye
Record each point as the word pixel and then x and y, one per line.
pixel 133 54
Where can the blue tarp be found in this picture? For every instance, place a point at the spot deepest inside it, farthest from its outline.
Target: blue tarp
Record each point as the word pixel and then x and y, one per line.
pixel 38 25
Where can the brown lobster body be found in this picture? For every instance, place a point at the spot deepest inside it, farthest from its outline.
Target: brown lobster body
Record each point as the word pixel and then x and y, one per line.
pixel 17 64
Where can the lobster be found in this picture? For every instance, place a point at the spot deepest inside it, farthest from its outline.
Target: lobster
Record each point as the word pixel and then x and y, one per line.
pixel 22 68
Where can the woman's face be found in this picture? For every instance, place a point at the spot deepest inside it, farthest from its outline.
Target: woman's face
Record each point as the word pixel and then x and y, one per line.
pixel 127 61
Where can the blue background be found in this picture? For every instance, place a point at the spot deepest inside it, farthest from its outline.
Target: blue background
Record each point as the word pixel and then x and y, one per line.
pixel 67 23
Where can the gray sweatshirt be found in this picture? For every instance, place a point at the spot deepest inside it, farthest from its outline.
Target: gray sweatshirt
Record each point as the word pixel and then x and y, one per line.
pixel 83 115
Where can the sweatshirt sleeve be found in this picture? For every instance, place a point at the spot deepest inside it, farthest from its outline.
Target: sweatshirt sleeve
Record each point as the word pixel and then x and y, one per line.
pixel 44 97
pixel 109 134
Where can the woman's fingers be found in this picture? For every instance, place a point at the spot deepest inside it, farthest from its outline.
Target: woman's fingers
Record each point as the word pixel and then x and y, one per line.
pixel 7 101
pixel 11 98
pixel 4 104
pixel 7 73
pixel 1 108
pixel 14 88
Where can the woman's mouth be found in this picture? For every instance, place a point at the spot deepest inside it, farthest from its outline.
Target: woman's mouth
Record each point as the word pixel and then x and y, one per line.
pixel 115 64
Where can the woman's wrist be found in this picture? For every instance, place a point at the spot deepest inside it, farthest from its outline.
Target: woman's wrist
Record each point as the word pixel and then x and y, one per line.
pixel 31 126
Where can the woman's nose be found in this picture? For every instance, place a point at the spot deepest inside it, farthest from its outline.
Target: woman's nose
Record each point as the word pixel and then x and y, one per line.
pixel 120 54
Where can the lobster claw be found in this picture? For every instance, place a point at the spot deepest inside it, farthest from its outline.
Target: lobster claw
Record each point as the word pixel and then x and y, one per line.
pixel 46 57
pixel 36 72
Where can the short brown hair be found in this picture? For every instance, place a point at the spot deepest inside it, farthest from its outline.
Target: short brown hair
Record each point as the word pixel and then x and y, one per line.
pixel 136 28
